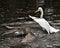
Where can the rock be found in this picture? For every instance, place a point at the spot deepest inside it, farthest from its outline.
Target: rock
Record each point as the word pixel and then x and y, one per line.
pixel 20 33
pixel 29 37
pixel 17 33
pixel 49 46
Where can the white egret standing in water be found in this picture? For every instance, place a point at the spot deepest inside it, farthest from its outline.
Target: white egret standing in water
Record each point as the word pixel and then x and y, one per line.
pixel 44 23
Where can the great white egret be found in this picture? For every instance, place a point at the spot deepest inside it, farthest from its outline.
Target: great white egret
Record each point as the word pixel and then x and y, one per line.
pixel 44 23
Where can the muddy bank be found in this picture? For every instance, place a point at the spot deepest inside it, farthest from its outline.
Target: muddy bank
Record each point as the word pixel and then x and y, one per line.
pixel 32 32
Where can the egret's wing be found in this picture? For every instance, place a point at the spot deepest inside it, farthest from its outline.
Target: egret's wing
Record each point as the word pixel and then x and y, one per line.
pixel 44 24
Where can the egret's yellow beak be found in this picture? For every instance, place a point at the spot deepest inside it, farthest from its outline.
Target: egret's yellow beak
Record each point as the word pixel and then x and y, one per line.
pixel 36 11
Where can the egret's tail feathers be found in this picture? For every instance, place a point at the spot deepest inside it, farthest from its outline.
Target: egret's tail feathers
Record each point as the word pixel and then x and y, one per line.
pixel 52 29
pixel 57 30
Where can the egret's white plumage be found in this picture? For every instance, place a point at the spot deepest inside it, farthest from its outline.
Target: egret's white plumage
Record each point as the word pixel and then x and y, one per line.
pixel 52 29
pixel 44 23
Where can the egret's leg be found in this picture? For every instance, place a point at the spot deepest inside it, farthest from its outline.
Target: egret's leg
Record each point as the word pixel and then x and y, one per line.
pixel 48 32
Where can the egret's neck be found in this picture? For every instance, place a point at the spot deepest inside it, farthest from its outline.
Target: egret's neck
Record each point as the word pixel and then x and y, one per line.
pixel 41 16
